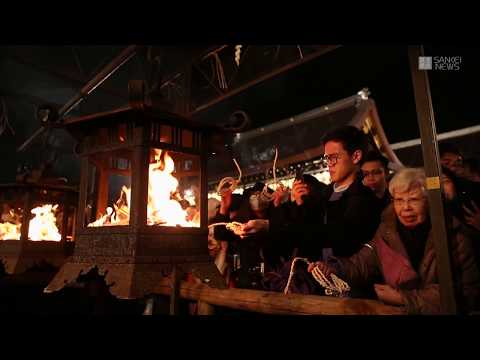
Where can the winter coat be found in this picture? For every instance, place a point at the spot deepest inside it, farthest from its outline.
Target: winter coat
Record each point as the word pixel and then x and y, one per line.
pixel 386 255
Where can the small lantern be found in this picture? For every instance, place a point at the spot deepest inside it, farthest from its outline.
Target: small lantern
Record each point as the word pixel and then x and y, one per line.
pixel 37 225
pixel 143 199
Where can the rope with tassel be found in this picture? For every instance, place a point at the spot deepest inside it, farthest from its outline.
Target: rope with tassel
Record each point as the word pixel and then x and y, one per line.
pixel 265 194
pixel 234 226
pixel 336 287
pixel 221 188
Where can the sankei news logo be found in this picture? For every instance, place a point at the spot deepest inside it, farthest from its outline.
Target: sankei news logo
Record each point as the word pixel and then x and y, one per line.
pixel 443 63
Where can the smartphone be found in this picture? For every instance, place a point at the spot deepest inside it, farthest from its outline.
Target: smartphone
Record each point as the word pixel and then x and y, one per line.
pixel 299 174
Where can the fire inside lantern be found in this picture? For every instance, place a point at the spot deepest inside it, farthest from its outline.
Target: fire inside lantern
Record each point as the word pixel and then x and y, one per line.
pixel 166 206
pixel 143 202
pixel 43 226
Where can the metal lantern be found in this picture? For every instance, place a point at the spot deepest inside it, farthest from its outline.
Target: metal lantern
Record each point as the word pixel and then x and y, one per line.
pixel 143 200
pixel 37 225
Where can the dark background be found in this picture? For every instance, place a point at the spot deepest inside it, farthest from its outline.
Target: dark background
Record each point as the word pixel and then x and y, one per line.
pixel 34 75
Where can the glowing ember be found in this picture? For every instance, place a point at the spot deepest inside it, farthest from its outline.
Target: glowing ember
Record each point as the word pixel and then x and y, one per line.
pixel 163 206
pixel 41 227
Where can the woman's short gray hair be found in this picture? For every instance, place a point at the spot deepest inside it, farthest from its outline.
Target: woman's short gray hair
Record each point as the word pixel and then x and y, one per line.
pixel 407 179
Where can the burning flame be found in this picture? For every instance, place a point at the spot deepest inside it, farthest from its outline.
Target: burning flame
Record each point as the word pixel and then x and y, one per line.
pixel 163 206
pixel 9 231
pixel 119 214
pixel 10 224
pixel 41 227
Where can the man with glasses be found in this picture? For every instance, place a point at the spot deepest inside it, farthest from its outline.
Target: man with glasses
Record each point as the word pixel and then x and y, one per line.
pixel 352 211
pixel 374 172
pixel 349 211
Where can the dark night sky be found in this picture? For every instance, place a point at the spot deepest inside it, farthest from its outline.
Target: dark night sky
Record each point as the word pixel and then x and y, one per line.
pixel 331 77
pixel 384 70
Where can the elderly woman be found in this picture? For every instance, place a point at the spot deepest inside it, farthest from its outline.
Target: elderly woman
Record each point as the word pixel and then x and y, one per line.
pixel 403 254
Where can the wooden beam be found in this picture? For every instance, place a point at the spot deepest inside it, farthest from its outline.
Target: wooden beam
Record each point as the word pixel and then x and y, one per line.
pixel 260 78
pixel 69 79
pixel 266 302
pixel 426 124
pixel 204 308
pixel 174 290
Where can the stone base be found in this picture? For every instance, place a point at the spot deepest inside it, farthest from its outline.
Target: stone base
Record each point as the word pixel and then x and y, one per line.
pixel 18 257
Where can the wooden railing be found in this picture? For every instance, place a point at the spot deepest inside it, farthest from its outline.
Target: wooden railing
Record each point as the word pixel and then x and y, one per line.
pixel 267 302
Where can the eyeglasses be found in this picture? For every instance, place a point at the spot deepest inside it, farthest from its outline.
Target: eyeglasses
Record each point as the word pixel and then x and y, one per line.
pixel 332 158
pixel 414 202
pixel 373 172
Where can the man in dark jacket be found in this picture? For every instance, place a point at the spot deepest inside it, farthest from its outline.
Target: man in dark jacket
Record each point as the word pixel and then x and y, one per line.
pixel 294 225
pixel 253 212
pixel 351 211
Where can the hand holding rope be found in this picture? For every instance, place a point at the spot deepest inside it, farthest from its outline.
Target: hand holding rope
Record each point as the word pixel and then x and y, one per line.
pixel 234 226
pixel 336 287
pixel 221 188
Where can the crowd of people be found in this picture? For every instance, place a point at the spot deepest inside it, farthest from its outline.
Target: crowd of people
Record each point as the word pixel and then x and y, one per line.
pixel 369 227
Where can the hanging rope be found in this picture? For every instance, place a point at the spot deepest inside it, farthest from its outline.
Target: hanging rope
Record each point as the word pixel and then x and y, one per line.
pixel 4 123
pixel 265 194
pixel 221 75
pixel 290 276
pixel 300 51
pixel 336 287
pixel 221 188
pixel 238 53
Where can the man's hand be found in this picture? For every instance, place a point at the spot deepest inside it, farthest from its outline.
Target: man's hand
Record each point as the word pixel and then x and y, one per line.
pixel 473 217
pixel 279 194
pixel 226 202
pixel 254 226
pixel 299 189
pixel 389 295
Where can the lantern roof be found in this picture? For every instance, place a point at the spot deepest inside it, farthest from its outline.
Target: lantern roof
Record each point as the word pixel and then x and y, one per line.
pixel 78 125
